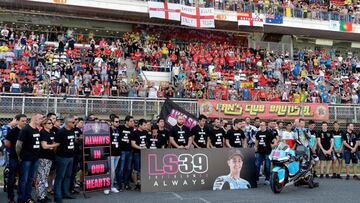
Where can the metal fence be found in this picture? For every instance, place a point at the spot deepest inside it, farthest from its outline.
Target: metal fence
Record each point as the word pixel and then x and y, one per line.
pixel 138 107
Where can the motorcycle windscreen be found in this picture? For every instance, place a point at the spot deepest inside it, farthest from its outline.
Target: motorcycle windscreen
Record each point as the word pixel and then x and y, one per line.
pixel 293 168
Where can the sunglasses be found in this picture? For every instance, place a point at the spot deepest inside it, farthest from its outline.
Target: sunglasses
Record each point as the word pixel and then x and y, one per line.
pixel 49 123
pixel 116 121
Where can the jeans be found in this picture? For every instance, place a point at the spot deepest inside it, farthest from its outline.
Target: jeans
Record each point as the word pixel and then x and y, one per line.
pixel 124 170
pixel 260 158
pixel 114 164
pixel 28 170
pixel 13 165
pixel 137 162
pixel 63 176
pixel 76 160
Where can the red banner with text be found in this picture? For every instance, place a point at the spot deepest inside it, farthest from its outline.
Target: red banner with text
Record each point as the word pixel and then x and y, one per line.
pixel 264 110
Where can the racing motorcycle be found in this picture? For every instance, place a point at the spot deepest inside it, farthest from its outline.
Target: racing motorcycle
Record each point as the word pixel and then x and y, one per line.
pixel 290 167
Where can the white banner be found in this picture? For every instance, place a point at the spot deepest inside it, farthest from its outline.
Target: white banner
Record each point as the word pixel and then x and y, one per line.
pixel 251 19
pixel 164 10
pixel 334 25
pixel 197 17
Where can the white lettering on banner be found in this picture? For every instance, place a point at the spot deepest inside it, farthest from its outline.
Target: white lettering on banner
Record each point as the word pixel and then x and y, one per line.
pixel 177 183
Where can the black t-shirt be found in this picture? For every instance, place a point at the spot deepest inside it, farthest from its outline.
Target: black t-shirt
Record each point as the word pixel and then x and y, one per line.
pixel 66 140
pixel 78 142
pixel 124 138
pixel 12 137
pixel 156 142
pixel 63 87
pixel 31 143
pixel 48 137
pixel 165 136
pixel 55 130
pixel 235 137
pixel 217 137
pixel 265 139
pixel 274 132
pixel 7 86
pixel 200 135
pixel 350 139
pixel 141 138
pixel 115 145
pixel 325 139
pixel 180 134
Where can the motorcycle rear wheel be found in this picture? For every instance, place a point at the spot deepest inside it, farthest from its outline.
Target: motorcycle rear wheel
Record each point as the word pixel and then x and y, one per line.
pixel 275 185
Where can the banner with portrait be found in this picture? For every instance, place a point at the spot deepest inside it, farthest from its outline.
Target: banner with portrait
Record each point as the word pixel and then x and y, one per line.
pixel 172 170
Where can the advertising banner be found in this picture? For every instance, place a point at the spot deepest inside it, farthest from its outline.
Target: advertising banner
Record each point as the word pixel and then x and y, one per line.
pixel 172 170
pixel 96 148
pixel 264 110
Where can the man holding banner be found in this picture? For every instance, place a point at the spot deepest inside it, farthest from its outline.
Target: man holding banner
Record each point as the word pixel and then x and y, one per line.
pixel 180 134
pixel 200 133
pixel 216 140
pixel 139 140
pixel 235 137
pixel 115 151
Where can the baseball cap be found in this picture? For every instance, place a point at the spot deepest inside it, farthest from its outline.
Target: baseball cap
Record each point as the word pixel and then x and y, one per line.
pixel 234 152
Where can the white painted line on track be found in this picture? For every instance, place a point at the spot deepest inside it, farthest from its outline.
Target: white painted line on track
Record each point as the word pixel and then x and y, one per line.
pixel 177 196
pixel 204 200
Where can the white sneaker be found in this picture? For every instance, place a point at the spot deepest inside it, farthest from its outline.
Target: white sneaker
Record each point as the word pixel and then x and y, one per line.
pixel 106 192
pixel 267 182
pixel 114 190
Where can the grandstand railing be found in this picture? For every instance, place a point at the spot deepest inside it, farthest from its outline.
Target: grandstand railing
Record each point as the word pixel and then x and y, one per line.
pixel 136 106
pixel 289 11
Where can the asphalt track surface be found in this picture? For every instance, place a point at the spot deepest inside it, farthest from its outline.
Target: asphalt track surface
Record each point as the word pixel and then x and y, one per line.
pixel 343 191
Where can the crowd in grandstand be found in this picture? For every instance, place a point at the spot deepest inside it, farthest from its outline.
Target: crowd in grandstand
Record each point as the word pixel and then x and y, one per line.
pixel 212 65
pixel 32 145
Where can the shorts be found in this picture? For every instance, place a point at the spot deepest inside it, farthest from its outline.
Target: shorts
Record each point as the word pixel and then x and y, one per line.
pixel 338 156
pixel 348 155
pixel 324 157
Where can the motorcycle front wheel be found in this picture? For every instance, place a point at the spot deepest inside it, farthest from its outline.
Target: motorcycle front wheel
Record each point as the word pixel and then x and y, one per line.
pixel 275 185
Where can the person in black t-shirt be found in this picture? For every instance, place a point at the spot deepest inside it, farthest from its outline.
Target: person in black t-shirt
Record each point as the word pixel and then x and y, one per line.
pixel 64 159
pixel 264 142
pixel 326 144
pixel 13 164
pixel 77 152
pixel 156 141
pixel 272 129
pixel 139 141
pixel 125 166
pixel 164 133
pixel 350 147
pixel 180 135
pixel 216 138
pixel 200 133
pixel 54 130
pixel 46 157
pixel 27 149
pixel 235 137
pixel 115 150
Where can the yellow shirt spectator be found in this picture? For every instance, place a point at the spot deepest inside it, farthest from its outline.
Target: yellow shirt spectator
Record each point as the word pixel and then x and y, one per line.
pixel 297 97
